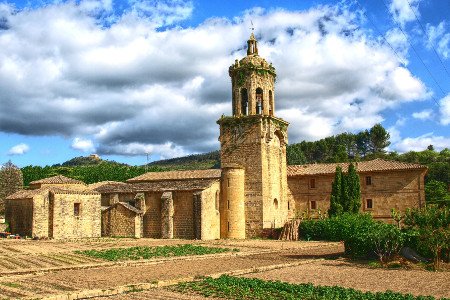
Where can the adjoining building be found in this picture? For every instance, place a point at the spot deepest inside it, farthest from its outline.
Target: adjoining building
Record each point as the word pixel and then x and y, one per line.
pixel 56 207
pixel 254 191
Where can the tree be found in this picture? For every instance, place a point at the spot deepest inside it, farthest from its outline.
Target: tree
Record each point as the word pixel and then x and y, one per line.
pixel 436 193
pixel 345 192
pixel 354 190
pixel 379 139
pixel 335 199
pixel 430 147
pixel 10 182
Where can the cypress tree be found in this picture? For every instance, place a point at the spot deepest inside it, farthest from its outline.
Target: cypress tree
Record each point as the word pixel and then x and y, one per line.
pixel 354 190
pixel 335 199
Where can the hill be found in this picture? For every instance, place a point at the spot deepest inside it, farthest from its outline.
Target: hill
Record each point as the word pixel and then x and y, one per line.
pixel 210 160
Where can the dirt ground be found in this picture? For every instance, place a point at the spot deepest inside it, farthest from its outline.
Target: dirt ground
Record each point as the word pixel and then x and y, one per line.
pixel 38 269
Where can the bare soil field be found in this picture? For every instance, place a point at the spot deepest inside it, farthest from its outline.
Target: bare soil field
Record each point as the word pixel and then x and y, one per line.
pixel 40 269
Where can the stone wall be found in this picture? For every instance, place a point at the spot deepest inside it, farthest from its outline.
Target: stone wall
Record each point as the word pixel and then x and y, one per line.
pixel 152 215
pixel 19 215
pixel 397 189
pixel 258 143
pixel 119 221
pixel 183 216
pixel 67 225
pixel 209 214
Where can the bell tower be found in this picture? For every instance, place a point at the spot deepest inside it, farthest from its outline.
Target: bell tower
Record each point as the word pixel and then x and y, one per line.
pixel 253 145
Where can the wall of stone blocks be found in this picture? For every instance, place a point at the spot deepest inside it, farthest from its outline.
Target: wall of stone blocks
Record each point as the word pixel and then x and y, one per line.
pixel 67 225
pixel 183 217
pixel 210 213
pixel 389 189
pixel 19 215
pixel 258 145
pixel 119 221
pixel 152 215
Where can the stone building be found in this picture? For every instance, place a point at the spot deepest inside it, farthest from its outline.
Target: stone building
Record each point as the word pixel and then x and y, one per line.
pixel 384 185
pixel 254 190
pixel 56 207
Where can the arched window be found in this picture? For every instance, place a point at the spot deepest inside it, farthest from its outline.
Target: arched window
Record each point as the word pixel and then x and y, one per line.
pixel 275 203
pixel 259 101
pixel 244 102
pixel 270 103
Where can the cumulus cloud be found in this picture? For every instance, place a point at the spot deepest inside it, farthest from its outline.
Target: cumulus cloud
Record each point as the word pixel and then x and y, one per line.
pixel 403 10
pixel 420 143
pixel 445 110
pixel 141 84
pixel 84 145
pixel 439 38
pixel 19 149
pixel 423 115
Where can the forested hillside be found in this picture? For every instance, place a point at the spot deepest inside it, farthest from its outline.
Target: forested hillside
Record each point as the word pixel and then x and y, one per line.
pixel 343 147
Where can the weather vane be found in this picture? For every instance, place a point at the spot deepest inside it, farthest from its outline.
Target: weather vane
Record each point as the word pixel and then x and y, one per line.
pixel 253 27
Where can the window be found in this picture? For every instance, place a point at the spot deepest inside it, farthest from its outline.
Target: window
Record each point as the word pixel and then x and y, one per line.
pixel 228 204
pixel 275 203
pixel 76 209
pixel 289 205
pixel 368 180
pixel 244 102
pixel 313 204
pixel 228 226
pixel 217 200
pixel 312 183
pixel 369 203
pixel 228 182
pixel 259 101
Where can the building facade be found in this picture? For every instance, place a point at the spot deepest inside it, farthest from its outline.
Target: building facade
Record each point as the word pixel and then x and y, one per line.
pixel 253 191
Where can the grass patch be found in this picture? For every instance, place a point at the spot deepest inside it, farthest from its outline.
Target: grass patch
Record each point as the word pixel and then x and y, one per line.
pixel 236 288
pixel 11 285
pixel 135 253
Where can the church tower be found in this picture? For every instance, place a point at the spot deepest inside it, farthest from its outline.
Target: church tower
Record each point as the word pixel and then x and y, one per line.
pixel 253 151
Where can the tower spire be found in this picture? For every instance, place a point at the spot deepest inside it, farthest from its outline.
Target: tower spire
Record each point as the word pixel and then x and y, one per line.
pixel 252 44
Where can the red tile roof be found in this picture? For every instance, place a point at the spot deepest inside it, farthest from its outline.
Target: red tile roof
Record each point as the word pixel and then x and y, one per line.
pixel 177 175
pixel 376 165
pixel 58 179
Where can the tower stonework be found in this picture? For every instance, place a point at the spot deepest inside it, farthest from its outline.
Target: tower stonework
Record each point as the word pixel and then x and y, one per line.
pixel 253 145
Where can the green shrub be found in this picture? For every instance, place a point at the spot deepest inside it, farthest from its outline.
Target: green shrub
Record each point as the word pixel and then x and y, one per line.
pixel 362 236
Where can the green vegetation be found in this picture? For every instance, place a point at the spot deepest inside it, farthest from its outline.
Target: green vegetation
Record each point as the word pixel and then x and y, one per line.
pixel 362 236
pixel 427 230
pixel 228 287
pixel 11 181
pixel 210 160
pixel 345 192
pixel 135 253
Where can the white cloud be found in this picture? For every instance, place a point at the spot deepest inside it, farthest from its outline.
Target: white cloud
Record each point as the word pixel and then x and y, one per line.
pixel 402 12
pixel 19 149
pixel 439 39
pixel 84 145
pixel 423 115
pixel 445 110
pixel 138 85
pixel 420 143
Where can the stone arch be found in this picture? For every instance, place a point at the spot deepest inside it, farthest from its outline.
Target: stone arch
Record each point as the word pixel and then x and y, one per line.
pixel 271 107
pixel 259 100
pixel 280 137
pixel 244 102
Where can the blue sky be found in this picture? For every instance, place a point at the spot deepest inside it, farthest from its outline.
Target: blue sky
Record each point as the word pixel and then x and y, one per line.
pixel 125 78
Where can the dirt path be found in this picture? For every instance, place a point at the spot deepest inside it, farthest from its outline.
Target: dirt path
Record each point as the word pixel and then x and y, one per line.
pixel 347 274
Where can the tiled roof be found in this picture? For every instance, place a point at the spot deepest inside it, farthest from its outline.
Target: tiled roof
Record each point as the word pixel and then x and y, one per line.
pixel 99 185
pixel 58 179
pixel 175 185
pixel 177 175
pixel 376 165
pixel 57 190
pixel 114 187
pixel 29 194
pixel 26 194
pixel 124 204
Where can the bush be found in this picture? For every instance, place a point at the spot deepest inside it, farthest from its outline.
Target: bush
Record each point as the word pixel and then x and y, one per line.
pixel 362 236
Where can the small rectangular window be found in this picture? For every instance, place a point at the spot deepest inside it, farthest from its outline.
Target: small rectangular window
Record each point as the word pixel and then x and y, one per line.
pixel 228 182
pixel 313 204
pixel 76 209
pixel 228 204
pixel 368 180
pixel 228 226
pixel 312 183
pixel 369 203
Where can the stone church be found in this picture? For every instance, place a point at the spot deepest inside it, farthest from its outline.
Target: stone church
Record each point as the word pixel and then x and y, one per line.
pixel 254 190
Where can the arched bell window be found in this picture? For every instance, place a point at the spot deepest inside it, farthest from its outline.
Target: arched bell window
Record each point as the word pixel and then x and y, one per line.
pixel 244 102
pixel 259 101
